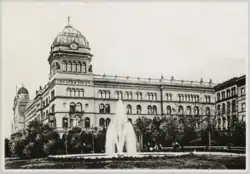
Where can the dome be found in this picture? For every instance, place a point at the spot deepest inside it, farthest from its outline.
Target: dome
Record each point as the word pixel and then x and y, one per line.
pixel 70 35
pixel 23 90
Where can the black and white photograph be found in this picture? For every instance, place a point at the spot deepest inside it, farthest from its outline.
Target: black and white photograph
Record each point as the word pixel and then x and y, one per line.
pixel 156 86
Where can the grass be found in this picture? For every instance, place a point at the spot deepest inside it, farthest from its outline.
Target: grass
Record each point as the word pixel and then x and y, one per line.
pixel 186 162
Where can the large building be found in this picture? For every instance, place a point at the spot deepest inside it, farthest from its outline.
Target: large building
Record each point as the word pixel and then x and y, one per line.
pixel 76 95
pixel 230 102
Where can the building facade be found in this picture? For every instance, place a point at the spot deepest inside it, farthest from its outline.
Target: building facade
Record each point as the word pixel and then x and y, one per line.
pixel 230 102
pixel 77 96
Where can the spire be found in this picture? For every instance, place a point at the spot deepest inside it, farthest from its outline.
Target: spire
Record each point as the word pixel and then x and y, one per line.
pixel 68 20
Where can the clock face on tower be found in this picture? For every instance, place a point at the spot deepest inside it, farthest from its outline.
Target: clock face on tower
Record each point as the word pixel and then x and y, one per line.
pixel 73 46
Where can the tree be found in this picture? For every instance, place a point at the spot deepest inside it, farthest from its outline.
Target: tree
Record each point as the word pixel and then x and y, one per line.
pixel 143 128
pixel 239 134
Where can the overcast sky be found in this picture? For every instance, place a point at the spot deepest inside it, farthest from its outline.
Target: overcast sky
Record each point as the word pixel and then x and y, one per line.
pixel 186 40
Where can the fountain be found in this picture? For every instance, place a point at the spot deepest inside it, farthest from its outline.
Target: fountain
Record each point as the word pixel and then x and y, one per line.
pixel 120 137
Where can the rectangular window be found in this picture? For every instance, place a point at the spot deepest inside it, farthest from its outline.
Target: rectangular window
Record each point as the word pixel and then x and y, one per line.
pixel 52 94
pixel 228 93
pixel 223 95
pixel 234 106
pixel 218 96
pixel 233 91
pixel 242 91
pixel 243 107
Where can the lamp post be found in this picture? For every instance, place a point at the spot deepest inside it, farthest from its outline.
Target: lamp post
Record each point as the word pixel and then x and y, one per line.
pixel 93 141
pixel 65 126
pixel 51 119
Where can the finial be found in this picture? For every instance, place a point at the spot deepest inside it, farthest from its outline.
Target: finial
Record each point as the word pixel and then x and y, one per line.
pixel 68 20
pixel 162 77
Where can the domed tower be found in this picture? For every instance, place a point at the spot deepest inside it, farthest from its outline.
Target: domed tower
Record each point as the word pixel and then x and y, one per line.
pixel 70 55
pixel 20 102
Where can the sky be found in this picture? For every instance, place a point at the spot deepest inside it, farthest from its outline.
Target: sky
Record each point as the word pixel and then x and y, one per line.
pixel 187 40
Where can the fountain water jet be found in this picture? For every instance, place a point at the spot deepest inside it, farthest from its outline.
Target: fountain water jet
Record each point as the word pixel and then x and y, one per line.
pixel 120 134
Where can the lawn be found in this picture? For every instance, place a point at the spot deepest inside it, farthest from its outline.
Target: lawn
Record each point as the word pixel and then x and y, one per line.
pixel 186 162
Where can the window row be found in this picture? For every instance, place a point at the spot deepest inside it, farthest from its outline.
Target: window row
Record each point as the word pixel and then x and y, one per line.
pixel 169 96
pixel 104 108
pixel 74 66
pixel 152 96
pixel 226 94
pixel 72 92
pixel 196 110
pixel 75 107
pixel 104 94
pixel 188 98
pixel 76 121
pixel 46 102
pixel 104 122
pixel 242 91
pixel 221 109
pixel 207 99
pixel 45 114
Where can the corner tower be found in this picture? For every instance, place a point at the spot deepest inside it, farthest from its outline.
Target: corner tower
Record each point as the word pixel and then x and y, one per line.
pixel 20 102
pixel 70 55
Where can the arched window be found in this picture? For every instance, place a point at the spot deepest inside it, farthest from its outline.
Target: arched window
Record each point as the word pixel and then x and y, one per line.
pixel 188 98
pixel 69 92
pixel 64 66
pixel 81 92
pixel 149 96
pixel 84 68
pixel 74 67
pixel 101 122
pixel 223 108
pixel 138 109
pixel 196 110
pixel 149 109
pixel 167 95
pixel 185 97
pixel 78 67
pixel 218 109
pixel 188 110
pixel 207 111
pixel 77 94
pixel 107 108
pixel 53 108
pixel 182 97
pixel 130 95
pixel 179 96
pixel 191 98
pixel 78 107
pixel 73 92
pixel 228 107
pixel 87 122
pixel 130 120
pixel 119 94
pixel 101 108
pixel 72 107
pixel 69 66
pixel 154 109
pixel 107 121
pixel 107 94
pixel 180 110
pixel 170 97
pixel 129 109
pixel 100 94
pixel 168 110
pixel 127 95
pixel 155 96
pixel 139 95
